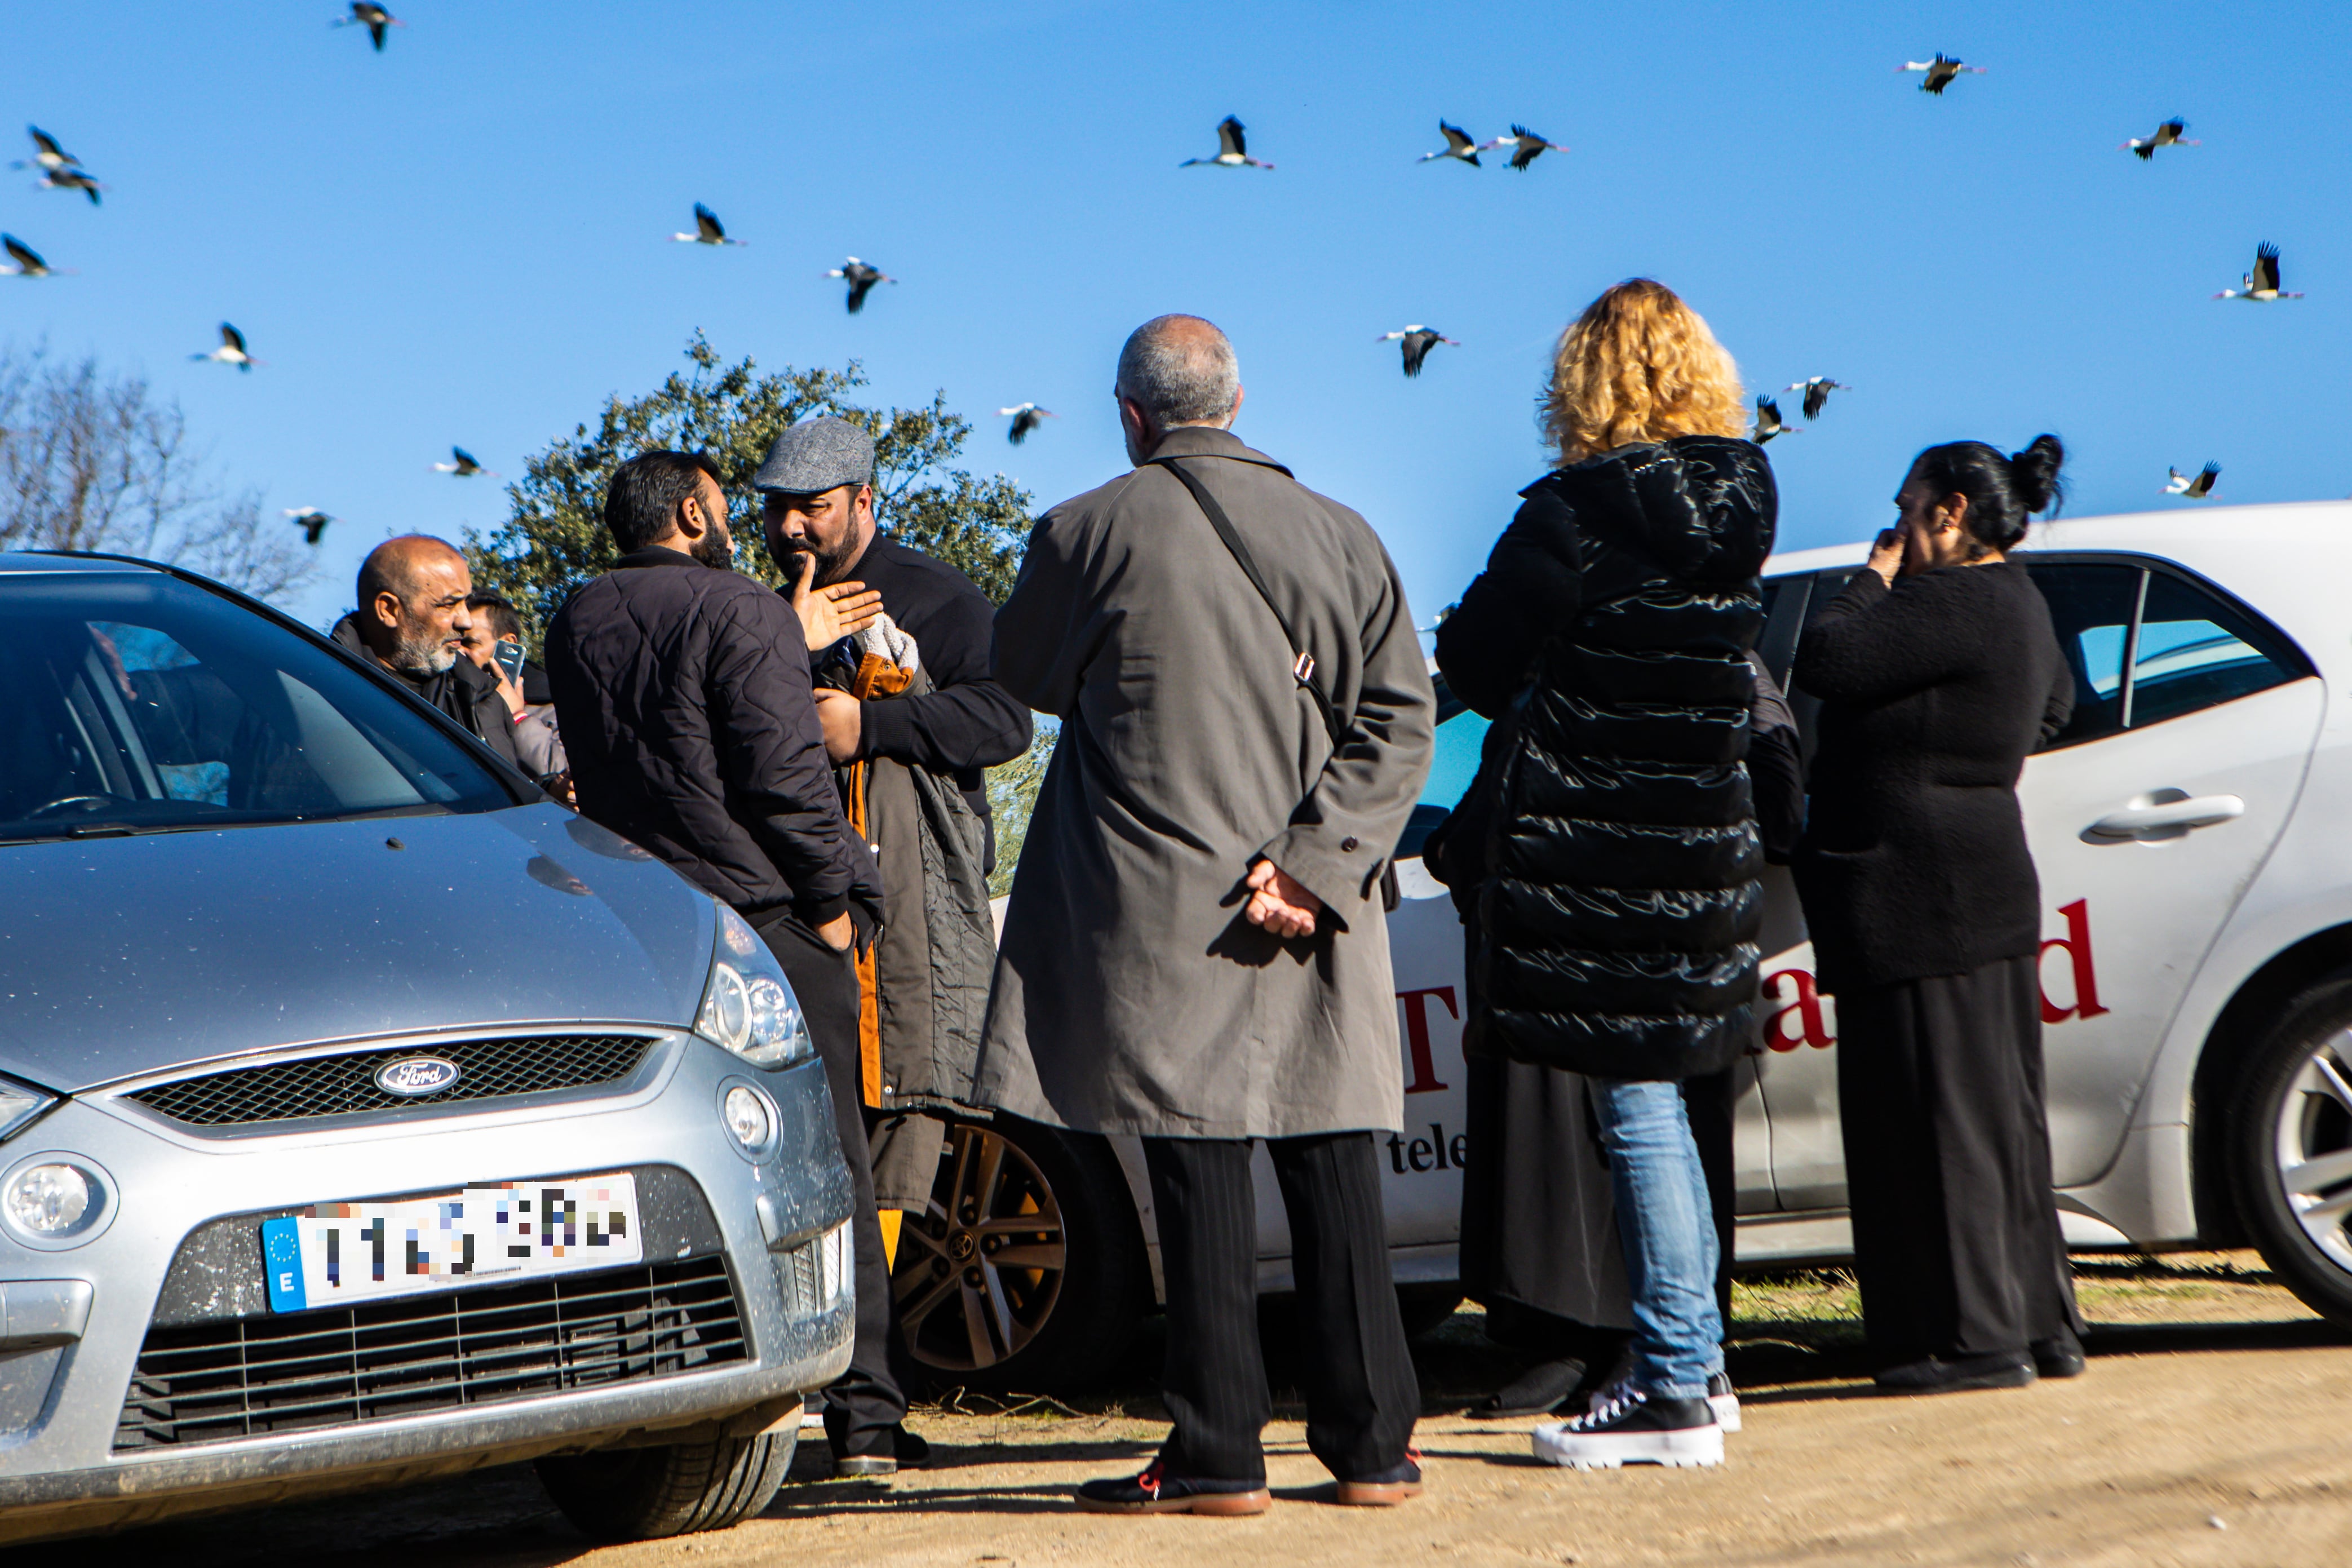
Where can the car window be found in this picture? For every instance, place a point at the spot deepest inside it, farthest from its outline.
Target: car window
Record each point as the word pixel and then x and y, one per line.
pixel 2196 650
pixel 2091 610
pixel 135 702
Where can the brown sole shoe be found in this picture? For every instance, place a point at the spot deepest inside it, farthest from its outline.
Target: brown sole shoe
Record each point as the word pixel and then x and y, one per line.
pixel 1376 1494
pixel 1218 1505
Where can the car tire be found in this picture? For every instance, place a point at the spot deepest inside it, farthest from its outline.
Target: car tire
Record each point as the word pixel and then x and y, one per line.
pixel 643 1494
pixel 2291 1129
pixel 1026 1274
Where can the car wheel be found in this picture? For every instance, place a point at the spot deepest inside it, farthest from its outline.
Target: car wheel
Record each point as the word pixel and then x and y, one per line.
pixel 2291 1149
pixel 640 1494
pixel 1026 1271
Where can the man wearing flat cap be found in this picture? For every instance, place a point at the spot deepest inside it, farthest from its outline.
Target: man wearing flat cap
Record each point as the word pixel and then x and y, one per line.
pixel 898 649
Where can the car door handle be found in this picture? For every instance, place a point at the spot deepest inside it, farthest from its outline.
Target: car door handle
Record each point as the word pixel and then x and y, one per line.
pixel 2167 818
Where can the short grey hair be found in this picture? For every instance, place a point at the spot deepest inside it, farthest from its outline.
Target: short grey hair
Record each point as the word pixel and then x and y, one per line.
pixel 1181 370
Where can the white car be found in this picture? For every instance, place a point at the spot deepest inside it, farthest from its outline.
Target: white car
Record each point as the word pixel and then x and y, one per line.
pixel 2196 971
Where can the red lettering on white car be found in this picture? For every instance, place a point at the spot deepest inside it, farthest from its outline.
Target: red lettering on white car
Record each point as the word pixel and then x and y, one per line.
pixel 1416 1034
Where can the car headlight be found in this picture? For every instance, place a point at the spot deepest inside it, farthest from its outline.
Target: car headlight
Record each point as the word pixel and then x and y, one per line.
pixel 20 1106
pixel 748 1005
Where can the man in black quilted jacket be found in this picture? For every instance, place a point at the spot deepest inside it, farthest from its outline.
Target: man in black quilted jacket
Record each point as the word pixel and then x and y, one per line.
pixel 682 689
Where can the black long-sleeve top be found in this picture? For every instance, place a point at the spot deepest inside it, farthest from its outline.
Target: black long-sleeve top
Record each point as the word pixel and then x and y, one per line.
pixel 684 697
pixel 1914 861
pixel 967 721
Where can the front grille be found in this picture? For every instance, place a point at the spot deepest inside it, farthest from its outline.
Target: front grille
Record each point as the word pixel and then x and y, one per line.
pixel 339 1086
pixel 244 1377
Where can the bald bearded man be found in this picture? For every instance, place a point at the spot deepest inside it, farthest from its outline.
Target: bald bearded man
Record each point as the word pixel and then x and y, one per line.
pixel 412 621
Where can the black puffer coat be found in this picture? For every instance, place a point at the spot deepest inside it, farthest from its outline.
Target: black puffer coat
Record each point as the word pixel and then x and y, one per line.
pixel 1620 920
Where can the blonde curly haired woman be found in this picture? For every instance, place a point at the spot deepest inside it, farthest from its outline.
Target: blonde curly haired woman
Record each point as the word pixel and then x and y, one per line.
pixel 1613 934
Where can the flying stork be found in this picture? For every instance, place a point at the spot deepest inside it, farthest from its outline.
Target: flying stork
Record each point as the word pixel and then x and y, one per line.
pixel 1025 417
pixel 1458 144
pixel 861 279
pixel 2262 284
pixel 70 179
pixel 1232 153
pixel 2168 134
pixel 231 350
pixel 311 520
pixel 708 230
pixel 1525 144
pixel 374 17
pixel 1817 390
pixel 1940 72
pixel 1417 341
pixel 2192 486
pixel 28 260
pixel 46 153
pixel 465 467
pixel 1767 422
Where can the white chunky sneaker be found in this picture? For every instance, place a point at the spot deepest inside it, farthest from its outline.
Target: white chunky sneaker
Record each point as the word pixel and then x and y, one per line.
pixel 1723 1402
pixel 1632 1429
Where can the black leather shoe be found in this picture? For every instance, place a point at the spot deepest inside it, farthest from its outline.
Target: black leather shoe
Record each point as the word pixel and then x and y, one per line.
pixel 1532 1392
pixel 2060 1356
pixel 1943 1375
pixel 1157 1491
pixel 905 1452
pixel 1386 1490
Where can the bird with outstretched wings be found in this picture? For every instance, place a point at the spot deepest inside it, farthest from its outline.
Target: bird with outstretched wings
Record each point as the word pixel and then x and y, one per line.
pixel 1459 144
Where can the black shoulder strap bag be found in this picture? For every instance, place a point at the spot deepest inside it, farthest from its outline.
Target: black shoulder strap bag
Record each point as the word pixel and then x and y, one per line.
pixel 1302 662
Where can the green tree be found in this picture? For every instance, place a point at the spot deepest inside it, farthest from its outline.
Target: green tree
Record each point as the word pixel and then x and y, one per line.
pixel 554 540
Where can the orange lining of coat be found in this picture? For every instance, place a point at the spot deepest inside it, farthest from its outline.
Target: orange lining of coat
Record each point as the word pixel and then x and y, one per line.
pixel 876 676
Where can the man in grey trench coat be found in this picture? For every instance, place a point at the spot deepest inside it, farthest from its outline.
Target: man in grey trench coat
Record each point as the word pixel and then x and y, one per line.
pixel 1196 951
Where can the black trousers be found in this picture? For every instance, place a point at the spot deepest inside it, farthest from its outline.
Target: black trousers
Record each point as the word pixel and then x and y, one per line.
pixel 1941 1098
pixel 868 1400
pixel 1362 1397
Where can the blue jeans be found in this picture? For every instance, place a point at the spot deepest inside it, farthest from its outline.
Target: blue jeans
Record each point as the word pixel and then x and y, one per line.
pixel 1668 1231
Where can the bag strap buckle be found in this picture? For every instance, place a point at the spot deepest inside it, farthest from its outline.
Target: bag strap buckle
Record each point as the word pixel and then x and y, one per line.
pixel 1303 671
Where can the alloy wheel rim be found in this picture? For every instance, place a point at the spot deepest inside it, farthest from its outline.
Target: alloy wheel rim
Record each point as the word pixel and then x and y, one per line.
pixel 980 1270
pixel 2311 1147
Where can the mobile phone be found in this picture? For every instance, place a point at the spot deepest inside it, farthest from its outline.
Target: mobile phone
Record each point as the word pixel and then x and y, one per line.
pixel 508 656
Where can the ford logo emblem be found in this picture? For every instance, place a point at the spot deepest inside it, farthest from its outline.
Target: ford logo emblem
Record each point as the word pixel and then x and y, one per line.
pixel 413 1076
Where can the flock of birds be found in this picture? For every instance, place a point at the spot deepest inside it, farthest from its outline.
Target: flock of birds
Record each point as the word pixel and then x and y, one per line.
pixel 60 170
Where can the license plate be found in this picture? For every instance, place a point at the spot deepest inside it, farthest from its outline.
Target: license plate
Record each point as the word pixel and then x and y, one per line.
pixel 335 1254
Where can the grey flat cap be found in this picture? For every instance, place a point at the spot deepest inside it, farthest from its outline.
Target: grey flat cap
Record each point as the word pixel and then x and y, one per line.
pixel 817 454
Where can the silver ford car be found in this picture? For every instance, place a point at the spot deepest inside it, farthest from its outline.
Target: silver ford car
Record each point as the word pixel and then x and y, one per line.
pixel 364 1115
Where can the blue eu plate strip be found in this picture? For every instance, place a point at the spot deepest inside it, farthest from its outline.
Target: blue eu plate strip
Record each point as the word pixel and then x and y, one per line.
pixel 281 1264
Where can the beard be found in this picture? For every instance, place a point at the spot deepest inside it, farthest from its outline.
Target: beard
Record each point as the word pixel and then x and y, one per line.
pixel 832 566
pixel 422 654
pixel 715 551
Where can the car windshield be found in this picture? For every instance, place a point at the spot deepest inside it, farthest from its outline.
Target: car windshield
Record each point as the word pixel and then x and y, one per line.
pixel 135 702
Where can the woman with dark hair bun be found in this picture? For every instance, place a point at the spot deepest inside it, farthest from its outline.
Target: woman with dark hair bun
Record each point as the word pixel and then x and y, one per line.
pixel 1938 672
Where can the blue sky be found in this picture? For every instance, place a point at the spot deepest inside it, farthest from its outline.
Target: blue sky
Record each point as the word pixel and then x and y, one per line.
pixel 462 239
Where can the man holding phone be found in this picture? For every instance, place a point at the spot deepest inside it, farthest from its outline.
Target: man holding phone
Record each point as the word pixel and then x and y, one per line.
pixel 494 642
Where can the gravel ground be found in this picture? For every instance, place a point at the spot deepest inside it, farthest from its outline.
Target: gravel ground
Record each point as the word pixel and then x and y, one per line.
pixel 2210 1430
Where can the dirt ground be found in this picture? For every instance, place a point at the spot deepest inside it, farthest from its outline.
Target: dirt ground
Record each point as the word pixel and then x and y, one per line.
pixel 2211 1429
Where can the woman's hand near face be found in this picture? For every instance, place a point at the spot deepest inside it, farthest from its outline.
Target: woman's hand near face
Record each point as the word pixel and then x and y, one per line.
pixel 1886 554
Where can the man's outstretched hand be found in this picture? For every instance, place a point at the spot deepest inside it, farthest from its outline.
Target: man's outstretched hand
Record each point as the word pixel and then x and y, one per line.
pixel 834 612
pixel 1279 903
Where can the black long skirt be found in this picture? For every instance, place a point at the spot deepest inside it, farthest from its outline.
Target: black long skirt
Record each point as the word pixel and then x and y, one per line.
pixel 1941 1102
pixel 1539 1245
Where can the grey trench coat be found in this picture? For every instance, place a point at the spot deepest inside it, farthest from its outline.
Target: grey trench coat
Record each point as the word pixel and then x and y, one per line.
pixel 1130 993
